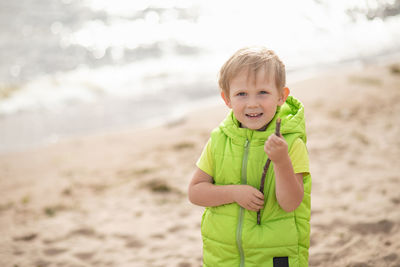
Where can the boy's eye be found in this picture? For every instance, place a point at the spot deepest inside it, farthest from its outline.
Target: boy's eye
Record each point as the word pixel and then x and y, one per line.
pixel 263 92
pixel 241 94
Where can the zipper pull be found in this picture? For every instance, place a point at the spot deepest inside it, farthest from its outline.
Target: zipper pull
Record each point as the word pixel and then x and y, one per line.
pixel 246 144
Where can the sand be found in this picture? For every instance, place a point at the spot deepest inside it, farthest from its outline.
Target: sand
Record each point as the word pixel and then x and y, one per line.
pixel 120 199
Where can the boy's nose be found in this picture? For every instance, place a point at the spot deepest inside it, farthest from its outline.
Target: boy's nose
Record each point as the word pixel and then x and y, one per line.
pixel 252 102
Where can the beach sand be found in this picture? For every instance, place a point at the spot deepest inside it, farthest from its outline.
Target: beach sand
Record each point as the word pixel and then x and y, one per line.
pixel 120 199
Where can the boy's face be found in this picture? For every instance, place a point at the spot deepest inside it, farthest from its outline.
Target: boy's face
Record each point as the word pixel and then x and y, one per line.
pixel 254 99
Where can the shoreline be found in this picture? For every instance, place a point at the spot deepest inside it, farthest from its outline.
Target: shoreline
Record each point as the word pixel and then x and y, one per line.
pixel 32 129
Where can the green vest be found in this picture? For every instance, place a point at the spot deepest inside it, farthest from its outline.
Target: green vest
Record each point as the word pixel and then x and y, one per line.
pixel 231 235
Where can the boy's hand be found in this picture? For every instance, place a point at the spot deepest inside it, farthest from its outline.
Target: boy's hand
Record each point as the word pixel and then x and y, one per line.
pixel 276 148
pixel 248 197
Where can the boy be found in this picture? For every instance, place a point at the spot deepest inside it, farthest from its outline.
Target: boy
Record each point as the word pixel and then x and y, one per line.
pixel 229 170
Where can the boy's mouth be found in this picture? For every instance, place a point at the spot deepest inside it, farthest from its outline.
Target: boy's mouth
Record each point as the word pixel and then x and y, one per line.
pixel 254 115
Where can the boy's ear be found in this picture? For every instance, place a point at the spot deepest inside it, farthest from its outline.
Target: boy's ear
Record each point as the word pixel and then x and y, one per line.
pixel 284 95
pixel 226 99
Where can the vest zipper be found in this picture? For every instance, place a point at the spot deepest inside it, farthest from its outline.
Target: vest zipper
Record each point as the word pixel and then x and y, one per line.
pixel 241 211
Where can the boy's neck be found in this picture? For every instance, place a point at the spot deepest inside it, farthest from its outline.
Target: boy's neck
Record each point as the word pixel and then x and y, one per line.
pixel 259 130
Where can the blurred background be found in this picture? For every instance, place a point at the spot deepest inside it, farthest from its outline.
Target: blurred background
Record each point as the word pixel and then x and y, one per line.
pixel 76 67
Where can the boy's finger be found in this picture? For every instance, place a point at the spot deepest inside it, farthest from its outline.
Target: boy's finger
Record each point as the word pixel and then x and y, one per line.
pixel 252 207
pixel 258 203
pixel 277 139
pixel 259 195
pixel 271 140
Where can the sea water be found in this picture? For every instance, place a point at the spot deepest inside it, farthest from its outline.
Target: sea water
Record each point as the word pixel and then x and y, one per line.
pixel 76 67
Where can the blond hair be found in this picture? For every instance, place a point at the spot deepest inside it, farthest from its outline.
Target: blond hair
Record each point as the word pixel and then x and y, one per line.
pixel 252 59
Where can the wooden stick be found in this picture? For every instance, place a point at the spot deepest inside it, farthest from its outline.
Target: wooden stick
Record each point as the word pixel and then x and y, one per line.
pixel 266 166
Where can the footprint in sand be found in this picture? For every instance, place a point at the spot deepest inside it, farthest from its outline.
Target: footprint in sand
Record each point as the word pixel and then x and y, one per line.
pixel 130 241
pixel 42 263
pixel 134 243
pixel 319 259
pixel 158 236
pixel 26 237
pixel 88 232
pixel 84 256
pixel 390 257
pixel 18 252
pixel 176 228
pixel 359 264
pixel 184 264
pixel 54 251
pixel 395 200
pixel 383 226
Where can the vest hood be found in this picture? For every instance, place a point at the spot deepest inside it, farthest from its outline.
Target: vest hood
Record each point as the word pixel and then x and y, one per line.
pixel 292 122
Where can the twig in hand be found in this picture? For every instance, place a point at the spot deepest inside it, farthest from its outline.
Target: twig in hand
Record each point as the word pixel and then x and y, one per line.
pixel 266 166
